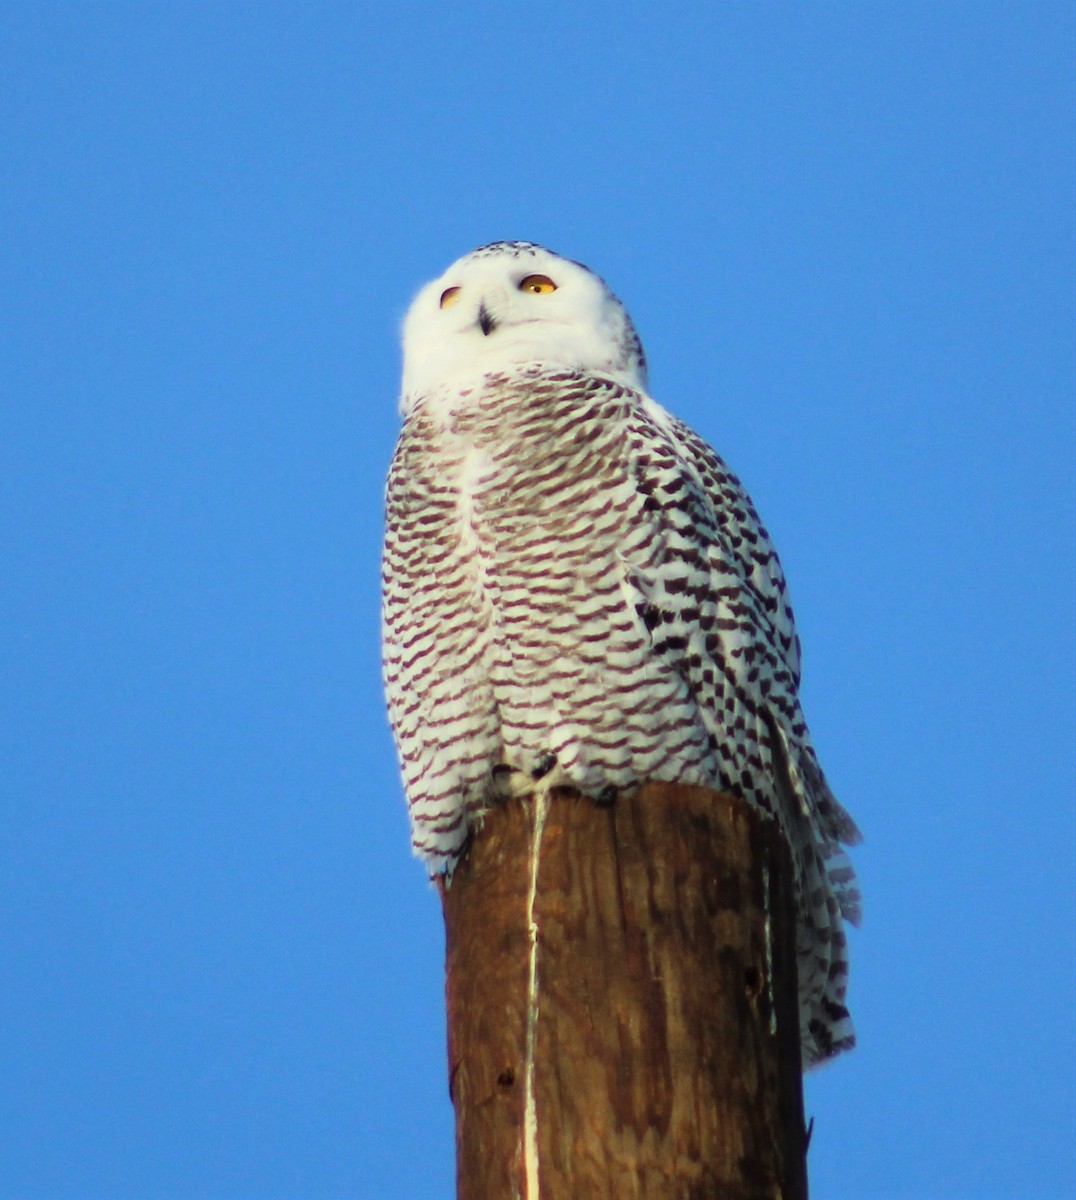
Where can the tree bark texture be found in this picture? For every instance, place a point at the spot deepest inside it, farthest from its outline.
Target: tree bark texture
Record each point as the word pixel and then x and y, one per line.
pixel 622 1013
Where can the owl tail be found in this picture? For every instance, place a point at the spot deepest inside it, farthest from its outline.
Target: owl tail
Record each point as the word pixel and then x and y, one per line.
pixel 828 892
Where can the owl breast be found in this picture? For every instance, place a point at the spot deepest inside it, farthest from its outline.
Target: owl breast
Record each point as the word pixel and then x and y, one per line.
pixel 521 552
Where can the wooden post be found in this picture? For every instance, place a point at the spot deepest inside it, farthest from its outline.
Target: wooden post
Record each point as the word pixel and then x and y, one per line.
pixel 622 1015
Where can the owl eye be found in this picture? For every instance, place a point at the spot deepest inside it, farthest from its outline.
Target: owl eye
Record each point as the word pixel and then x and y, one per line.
pixel 537 285
pixel 449 297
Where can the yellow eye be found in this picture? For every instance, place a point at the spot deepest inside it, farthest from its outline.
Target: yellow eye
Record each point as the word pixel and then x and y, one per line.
pixel 537 285
pixel 449 297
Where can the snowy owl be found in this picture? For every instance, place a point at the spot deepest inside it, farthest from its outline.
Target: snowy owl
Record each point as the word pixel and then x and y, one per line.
pixel 578 592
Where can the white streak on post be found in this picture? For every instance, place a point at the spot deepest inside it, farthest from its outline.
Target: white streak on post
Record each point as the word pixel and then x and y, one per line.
pixel 530 1113
pixel 766 906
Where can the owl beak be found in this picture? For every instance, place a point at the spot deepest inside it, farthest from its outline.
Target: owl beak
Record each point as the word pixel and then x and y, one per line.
pixel 486 323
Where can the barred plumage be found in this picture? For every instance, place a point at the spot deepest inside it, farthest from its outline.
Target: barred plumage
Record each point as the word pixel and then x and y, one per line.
pixel 577 588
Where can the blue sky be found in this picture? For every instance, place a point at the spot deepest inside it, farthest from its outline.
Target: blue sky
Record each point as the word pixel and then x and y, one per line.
pixel 845 232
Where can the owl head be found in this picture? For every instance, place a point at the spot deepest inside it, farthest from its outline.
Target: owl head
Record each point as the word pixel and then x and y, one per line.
pixel 511 303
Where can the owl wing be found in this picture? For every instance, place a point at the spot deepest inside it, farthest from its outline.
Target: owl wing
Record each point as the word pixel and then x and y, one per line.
pixel 725 617
pixel 744 537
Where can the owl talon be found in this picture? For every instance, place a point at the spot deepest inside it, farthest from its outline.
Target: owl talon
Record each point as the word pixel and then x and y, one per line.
pixel 545 764
pixel 606 798
pixel 510 783
pixel 505 781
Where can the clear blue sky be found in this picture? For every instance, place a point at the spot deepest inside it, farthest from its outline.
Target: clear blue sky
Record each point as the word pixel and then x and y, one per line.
pixel 845 231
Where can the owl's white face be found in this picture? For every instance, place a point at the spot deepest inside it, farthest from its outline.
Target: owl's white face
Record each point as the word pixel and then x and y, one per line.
pixel 512 303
